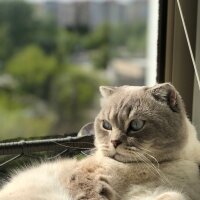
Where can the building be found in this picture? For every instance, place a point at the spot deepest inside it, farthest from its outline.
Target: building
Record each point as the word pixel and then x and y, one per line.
pixel 90 13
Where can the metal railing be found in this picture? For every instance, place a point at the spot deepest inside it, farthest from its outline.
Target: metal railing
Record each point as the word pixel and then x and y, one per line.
pixel 20 152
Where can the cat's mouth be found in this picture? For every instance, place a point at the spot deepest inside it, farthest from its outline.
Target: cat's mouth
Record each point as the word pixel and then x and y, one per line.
pixel 124 159
pixel 121 154
pixel 124 155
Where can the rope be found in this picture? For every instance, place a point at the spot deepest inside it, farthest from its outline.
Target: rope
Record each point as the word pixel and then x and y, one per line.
pixel 188 42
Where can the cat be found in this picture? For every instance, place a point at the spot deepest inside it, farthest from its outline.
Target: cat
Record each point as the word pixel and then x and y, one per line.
pixel 142 127
pixel 147 149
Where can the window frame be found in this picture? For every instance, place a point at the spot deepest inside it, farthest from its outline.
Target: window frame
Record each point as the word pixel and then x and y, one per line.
pixel 174 61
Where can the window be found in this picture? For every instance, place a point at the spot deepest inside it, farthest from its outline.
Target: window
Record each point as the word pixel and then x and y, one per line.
pixel 55 54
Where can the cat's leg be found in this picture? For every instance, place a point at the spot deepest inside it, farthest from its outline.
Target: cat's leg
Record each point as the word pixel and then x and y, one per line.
pixel 84 186
pixel 91 180
pixel 171 196
pixel 104 188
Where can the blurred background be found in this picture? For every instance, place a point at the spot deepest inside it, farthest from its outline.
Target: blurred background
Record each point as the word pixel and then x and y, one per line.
pixel 55 54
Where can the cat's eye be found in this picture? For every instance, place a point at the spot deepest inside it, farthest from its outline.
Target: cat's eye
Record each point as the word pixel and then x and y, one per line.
pixel 136 125
pixel 106 125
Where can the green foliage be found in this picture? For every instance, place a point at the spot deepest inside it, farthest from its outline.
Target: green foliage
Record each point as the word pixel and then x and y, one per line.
pixel 39 55
pixel 16 123
pixel 8 102
pixel 137 46
pixel 101 57
pixel 19 28
pixel 105 40
pixel 45 35
pixel 137 43
pixel 20 119
pixel 5 43
pixel 17 17
pixel 133 38
pixel 98 42
pixel 74 91
pixel 66 43
pixel 32 68
pixel 97 38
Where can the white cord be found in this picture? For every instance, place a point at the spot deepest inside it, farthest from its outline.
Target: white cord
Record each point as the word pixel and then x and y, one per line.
pixel 189 44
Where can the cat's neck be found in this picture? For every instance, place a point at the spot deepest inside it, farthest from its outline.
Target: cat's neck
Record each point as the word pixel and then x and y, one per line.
pixel 191 150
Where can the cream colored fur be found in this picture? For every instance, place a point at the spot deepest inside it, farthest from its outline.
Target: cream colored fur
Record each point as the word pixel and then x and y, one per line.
pixel 42 182
pixel 192 148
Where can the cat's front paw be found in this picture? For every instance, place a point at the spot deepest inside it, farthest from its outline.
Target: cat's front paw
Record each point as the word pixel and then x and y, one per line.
pixel 91 187
pixel 105 191
pixel 171 196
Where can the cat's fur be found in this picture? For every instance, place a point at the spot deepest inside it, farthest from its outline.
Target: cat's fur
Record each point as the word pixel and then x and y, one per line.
pixel 167 138
pixel 158 162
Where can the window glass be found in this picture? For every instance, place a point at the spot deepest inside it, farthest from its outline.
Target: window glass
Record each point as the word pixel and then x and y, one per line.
pixel 55 54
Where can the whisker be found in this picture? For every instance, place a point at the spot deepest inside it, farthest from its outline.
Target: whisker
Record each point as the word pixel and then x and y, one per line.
pixel 147 164
pixel 153 167
pixel 145 151
pixel 103 146
pixel 141 147
pixel 79 142
pixel 158 164
pixel 150 165
pixel 81 148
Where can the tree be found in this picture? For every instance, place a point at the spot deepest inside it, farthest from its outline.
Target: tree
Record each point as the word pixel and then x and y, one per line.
pixel 5 44
pixel 97 38
pixel 17 16
pixel 19 25
pixel 136 40
pixel 33 69
pixel 45 34
pixel 66 43
pixel 101 57
pixel 73 93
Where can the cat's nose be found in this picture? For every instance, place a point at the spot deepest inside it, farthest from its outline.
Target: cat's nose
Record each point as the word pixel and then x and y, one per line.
pixel 116 143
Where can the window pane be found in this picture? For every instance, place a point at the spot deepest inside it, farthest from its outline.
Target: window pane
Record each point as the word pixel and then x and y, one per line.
pixel 55 54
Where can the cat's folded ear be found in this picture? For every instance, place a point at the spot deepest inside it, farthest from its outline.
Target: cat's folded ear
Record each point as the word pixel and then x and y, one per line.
pixel 166 93
pixel 106 91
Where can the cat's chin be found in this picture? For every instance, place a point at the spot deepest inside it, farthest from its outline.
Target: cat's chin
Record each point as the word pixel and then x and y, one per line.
pixel 122 158
pixel 118 155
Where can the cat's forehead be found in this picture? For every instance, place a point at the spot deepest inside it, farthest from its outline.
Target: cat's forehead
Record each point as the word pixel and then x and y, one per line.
pixel 124 102
pixel 126 93
pixel 131 89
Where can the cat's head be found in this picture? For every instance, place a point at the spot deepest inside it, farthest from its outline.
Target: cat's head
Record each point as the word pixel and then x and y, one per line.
pixel 138 123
